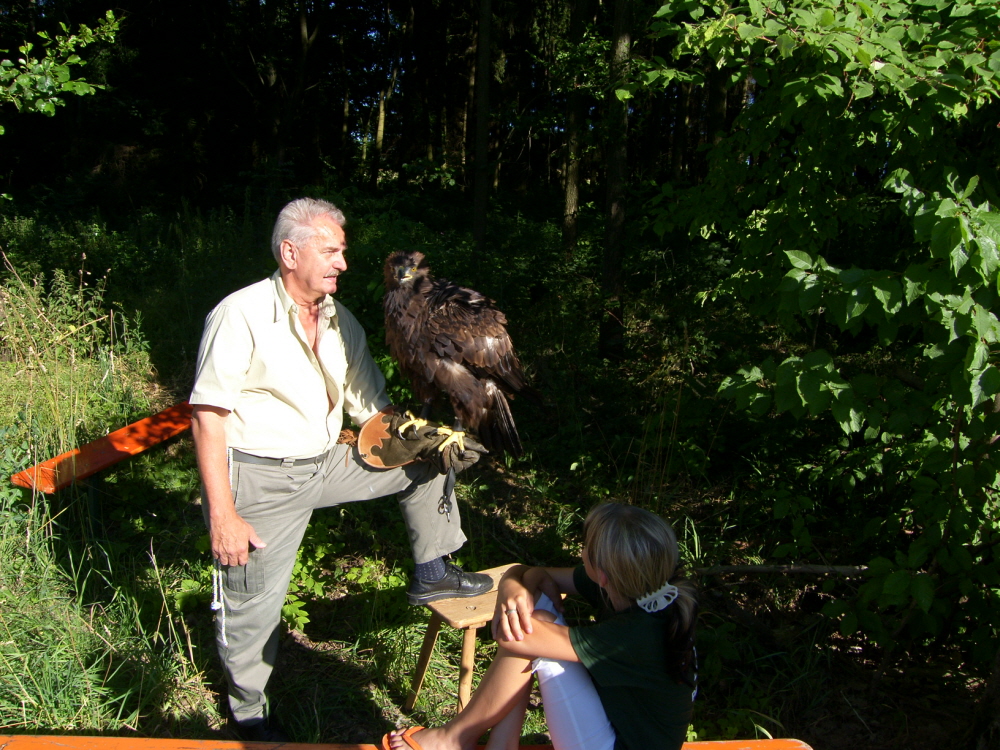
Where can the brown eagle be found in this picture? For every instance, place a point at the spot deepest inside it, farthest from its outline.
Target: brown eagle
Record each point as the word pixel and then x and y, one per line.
pixel 448 338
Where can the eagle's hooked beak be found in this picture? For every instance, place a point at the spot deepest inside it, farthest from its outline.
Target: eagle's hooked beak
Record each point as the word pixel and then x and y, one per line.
pixel 403 273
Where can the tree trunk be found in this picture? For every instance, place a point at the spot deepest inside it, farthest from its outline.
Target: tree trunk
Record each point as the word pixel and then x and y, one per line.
pixel 574 122
pixel 611 341
pixel 571 205
pixel 377 143
pixel 682 124
pixel 459 83
pixel 717 97
pixel 470 96
pixel 383 100
pixel 417 107
pixel 345 131
pixel 289 105
pixel 366 139
pixel 480 200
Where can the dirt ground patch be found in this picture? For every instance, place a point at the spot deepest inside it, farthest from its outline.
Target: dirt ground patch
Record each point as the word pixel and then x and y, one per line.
pixel 905 709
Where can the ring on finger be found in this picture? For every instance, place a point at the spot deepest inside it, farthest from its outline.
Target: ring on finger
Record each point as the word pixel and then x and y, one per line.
pixel 511 611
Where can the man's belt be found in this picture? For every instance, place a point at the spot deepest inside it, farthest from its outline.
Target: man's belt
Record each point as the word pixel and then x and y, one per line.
pixel 246 458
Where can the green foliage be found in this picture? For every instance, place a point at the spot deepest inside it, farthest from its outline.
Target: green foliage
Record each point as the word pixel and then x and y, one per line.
pixel 38 84
pixel 66 664
pixel 582 66
pixel 72 366
pixel 311 576
pixel 87 640
pixel 887 305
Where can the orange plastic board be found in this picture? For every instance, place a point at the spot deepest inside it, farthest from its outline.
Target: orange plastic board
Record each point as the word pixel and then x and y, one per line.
pixel 89 459
pixel 45 742
pixel 49 742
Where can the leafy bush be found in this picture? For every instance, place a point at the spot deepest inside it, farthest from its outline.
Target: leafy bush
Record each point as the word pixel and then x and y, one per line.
pixel 880 271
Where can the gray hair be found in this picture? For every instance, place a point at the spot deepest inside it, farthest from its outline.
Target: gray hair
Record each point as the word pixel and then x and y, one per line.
pixel 295 222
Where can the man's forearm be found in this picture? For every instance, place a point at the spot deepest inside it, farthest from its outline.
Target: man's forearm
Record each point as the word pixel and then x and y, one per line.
pixel 208 427
pixel 230 535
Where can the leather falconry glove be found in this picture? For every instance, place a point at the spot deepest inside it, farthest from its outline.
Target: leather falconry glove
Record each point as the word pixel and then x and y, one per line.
pixel 383 446
pixel 454 458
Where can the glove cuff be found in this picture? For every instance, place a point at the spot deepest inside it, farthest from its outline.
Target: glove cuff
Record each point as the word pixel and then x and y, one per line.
pixel 373 439
pixel 382 447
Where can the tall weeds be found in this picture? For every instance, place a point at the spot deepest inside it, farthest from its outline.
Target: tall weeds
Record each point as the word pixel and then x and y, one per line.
pixel 70 366
pixel 76 650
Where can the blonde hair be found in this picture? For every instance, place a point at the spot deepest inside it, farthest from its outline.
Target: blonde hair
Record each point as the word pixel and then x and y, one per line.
pixel 637 551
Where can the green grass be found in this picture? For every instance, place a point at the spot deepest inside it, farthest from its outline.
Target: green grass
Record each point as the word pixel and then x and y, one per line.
pixel 77 649
pixel 75 654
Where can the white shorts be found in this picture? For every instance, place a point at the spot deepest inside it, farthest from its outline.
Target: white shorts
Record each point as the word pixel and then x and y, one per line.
pixel 573 710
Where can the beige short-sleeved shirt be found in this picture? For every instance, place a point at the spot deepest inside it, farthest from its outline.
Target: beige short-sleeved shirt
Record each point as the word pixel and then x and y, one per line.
pixel 284 402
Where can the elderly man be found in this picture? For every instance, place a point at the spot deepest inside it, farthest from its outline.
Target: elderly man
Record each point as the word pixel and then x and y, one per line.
pixel 279 363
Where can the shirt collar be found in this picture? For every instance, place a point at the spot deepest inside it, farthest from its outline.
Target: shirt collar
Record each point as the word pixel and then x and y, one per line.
pixel 285 305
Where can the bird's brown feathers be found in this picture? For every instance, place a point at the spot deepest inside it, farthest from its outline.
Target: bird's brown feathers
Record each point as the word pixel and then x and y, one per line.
pixel 449 338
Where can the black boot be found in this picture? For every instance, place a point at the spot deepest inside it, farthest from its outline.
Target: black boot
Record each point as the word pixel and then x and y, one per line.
pixel 261 730
pixel 455 582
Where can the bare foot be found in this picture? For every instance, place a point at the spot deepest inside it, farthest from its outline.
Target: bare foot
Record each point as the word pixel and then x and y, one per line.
pixel 428 739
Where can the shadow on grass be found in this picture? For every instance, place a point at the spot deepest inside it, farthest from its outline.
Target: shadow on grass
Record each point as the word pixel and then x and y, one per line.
pixel 346 677
pixel 340 683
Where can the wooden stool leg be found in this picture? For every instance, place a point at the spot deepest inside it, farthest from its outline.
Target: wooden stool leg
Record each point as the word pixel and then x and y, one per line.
pixel 430 638
pixel 467 667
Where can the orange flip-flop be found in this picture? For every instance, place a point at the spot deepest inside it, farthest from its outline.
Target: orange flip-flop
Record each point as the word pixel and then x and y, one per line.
pixel 406 736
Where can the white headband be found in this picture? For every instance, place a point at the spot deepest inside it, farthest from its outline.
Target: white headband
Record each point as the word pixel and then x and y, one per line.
pixel 660 599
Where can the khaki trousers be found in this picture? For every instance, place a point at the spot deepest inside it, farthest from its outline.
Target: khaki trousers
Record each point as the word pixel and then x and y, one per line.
pixel 278 502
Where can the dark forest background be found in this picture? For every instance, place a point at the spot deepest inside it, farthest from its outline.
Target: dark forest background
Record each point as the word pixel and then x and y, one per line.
pixel 749 257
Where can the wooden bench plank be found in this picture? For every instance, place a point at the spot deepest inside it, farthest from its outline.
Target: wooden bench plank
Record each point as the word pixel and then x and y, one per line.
pixel 89 459
pixel 74 742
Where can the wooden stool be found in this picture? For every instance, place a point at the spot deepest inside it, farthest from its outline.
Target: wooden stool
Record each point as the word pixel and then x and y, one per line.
pixel 468 614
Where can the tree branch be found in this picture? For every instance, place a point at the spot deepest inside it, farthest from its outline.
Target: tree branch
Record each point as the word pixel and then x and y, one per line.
pixel 848 571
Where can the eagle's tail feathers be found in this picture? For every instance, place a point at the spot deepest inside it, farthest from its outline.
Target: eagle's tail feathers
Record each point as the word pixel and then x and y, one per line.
pixel 502 429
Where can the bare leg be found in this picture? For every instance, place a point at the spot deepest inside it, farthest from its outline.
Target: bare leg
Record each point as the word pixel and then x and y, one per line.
pixel 506 734
pixel 499 703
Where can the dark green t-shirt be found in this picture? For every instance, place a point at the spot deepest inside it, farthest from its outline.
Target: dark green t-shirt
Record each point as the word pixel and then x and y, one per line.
pixel 625 655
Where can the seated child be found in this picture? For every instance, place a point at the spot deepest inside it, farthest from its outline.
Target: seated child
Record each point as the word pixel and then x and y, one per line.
pixel 624 683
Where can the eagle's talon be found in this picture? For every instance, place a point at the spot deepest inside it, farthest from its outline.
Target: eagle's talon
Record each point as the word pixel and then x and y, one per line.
pixel 456 437
pixel 415 422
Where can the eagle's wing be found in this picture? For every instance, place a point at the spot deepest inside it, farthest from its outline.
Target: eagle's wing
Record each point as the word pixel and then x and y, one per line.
pixel 467 329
